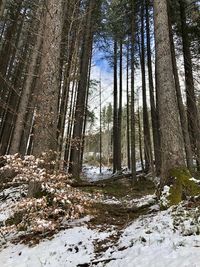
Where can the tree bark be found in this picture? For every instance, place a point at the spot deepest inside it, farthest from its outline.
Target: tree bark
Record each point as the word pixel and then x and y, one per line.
pixel 119 163
pixel 171 134
pixel 45 128
pixel 192 111
pixel 75 157
pixel 154 115
pixel 2 7
pixel 115 115
pixel 128 112
pixel 133 156
pixel 24 101
pixel 147 137
pixel 140 140
pixel 181 107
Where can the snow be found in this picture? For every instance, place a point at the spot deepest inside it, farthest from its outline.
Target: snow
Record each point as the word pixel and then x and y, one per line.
pixel 67 249
pixel 164 196
pixel 11 196
pixel 147 200
pixel 150 241
pixel 168 238
pixel 92 173
pixel 143 201
pixel 195 180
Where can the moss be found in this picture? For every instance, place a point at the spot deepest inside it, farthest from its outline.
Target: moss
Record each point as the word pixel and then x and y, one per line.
pixel 181 186
pixel 122 188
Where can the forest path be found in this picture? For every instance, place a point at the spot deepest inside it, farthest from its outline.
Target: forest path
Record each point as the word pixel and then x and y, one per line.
pixel 122 203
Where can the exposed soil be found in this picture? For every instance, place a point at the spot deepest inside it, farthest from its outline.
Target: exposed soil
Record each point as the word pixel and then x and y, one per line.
pixel 111 216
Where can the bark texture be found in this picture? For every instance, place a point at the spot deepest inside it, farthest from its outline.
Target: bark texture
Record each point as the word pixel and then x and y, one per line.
pixel 24 100
pixel 86 51
pixel 2 7
pixel 183 118
pixel 48 82
pixel 192 111
pixel 154 115
pixel 171 134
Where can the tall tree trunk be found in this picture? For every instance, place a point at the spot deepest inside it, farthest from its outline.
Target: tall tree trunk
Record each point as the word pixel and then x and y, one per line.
pixel 119 164
pixel 182 111
pixel 133 156
pixel 69 133
pixel 45 128
pixel 147 137
pixel 85 115
pixel 2 7
pixel 128 112
pixel 192 111
pixel 154 115
pixel 70 29
pixel 171 134
pixel 140 140
pixel 26 93
pixel 8 52
pixel 75 157
pixel 115 115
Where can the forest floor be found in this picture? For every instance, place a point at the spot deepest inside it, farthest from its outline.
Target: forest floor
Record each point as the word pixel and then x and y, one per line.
pixel 123 227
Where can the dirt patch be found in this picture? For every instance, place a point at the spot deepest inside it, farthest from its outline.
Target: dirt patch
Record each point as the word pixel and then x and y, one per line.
pixel 122 188
pixel 116 216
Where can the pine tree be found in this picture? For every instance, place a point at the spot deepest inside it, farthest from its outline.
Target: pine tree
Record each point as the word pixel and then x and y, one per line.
pixel 171 134
pixel 45 126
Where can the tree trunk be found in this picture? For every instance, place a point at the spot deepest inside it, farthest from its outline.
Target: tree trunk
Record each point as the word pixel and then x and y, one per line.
pixel 140 140
pixel 2 7
pixel 154 115
pixel 119 163
pixel 192 111
pixel 26 93
pixel 128 112
pixel 183 118
pixel 75 157
pixel 8 52
pixel 171 134
pixel 133 156
pixel 147 138
pixel 115 115
pixel 45 128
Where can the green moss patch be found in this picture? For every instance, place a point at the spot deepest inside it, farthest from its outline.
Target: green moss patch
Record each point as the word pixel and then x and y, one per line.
pixel 181 186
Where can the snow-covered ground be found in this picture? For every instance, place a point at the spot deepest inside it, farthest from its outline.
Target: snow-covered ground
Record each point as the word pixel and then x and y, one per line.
pixel 168 238
pixel 68 248
pixel 92 173
pixel 9 196
pixel 154 240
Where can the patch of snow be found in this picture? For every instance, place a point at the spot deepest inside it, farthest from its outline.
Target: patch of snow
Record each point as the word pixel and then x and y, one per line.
pixel 10 196
pixel 143 201
pixel 152 242
pixel 112 201
pixel 92 173
pixel 195 180
pixel 164 196
pixel 67 249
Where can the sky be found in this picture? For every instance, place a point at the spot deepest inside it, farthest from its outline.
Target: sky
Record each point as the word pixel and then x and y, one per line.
pixel 101 68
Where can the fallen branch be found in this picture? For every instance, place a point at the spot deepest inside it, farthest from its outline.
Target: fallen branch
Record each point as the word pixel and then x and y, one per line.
pixel 96 262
